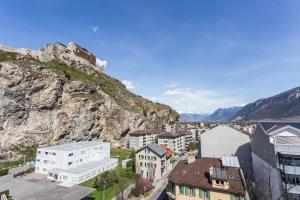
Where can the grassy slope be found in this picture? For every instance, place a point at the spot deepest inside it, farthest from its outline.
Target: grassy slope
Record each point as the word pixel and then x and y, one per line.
pixel 114 88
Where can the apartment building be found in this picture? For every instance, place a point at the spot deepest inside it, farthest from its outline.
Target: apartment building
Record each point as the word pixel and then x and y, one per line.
pixel 153 161
pixel 74 163
pixel 141 138
pixel 174 141
pixel 188 138
pixel 207 178
pixel 276 159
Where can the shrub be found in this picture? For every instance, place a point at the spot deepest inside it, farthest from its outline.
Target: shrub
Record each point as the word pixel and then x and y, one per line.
pixel 3 172
pixel 27 171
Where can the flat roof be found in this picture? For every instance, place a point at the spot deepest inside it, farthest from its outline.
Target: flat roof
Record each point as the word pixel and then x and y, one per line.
pixel 35 189
pixel 86 167
pixel 73 146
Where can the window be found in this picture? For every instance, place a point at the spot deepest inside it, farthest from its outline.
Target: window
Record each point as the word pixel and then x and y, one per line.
pixel 69 163
pixel 46 153
pixel 82 152
pixel 236 197
pixel 53 154
pixel 181 189
pixel 39 152
pixel 37 160
pixel 147 150
pixel 204 194
pixel 153 158
pixel 141 164
pixel 65 177
pixel 45 162
pixel 71 154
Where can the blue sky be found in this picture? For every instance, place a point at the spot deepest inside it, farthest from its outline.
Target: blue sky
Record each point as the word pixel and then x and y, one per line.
pixel 195 56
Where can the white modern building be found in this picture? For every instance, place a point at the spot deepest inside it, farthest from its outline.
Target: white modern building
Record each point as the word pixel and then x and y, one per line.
pixel 74 163
pixel 276 159
pixel 175 141
pixel 142 138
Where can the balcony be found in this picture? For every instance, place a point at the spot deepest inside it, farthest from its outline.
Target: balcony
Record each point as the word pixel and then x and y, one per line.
pixel 290 169
pixel 294 189
pixel 171 195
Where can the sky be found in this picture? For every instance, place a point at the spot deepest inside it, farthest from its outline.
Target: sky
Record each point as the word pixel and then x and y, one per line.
pixel 195 55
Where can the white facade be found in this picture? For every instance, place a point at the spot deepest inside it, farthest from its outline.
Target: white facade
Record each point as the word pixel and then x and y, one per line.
pixel 140 140
pixel 175 143
pixel 74 163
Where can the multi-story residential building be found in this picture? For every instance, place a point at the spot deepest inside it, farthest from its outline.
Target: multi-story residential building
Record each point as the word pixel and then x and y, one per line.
pixel 74 163
pixel 175 141
pixel 224 140
pixel 276 159
pixel 141 138
pixel 153 161
pixel 207 178
pixel 188 138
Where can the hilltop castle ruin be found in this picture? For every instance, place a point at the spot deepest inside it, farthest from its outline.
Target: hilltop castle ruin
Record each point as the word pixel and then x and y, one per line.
pixel 71 54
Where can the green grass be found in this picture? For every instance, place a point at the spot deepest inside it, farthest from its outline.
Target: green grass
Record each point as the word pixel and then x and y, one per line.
pixel 128 175
pixel 112 191
pixel 7 56
pixel 10 164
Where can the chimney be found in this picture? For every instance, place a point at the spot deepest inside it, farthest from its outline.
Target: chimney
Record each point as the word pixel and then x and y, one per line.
pixel 191 157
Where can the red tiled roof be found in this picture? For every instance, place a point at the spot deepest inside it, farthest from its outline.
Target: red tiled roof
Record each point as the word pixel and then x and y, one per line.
pixel 196 174
pixel 169 152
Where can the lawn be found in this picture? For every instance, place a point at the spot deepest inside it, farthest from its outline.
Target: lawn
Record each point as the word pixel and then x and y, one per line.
pixel 10 164
pixel 128 174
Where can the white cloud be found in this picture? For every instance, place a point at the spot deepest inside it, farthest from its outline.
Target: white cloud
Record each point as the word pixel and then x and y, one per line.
pixel 128 84
pixel 197 100
pixel 101 63
pixel 172 85
pixel 94 28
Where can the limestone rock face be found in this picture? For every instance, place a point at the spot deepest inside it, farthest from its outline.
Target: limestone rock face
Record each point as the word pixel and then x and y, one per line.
pixel 41 104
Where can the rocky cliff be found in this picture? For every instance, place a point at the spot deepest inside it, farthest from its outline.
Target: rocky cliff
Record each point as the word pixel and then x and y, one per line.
pixel 44 103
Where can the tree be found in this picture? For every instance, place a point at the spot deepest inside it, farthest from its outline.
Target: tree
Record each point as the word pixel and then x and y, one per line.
pixel 192 146
pixel 122 184
pixel 138 188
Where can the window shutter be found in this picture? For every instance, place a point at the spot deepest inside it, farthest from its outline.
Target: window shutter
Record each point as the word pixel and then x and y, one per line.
pixel 193 192
pixel 208 193
pixel 231 197
pixel 201 193
pixel 186 190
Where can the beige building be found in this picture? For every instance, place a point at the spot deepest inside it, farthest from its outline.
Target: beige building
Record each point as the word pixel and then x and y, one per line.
pixel 153 161
pixel 206 178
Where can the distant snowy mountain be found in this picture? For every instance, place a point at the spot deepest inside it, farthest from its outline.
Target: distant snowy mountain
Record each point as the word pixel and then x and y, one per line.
pixel 220 114
pixel 192 117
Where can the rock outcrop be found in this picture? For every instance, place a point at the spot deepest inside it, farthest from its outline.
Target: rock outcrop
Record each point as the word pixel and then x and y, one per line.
pixel 45 103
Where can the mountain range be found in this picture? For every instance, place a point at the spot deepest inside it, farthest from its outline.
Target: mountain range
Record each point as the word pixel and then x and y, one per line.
pixel 220 114
pixel 283 105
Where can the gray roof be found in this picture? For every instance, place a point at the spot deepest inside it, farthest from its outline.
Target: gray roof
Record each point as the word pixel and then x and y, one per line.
pixel 271 126
pixel 73 146
pixel 219 173
pixel 222 140
pixel 230 161
pixel 156 149
pixel 37 189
